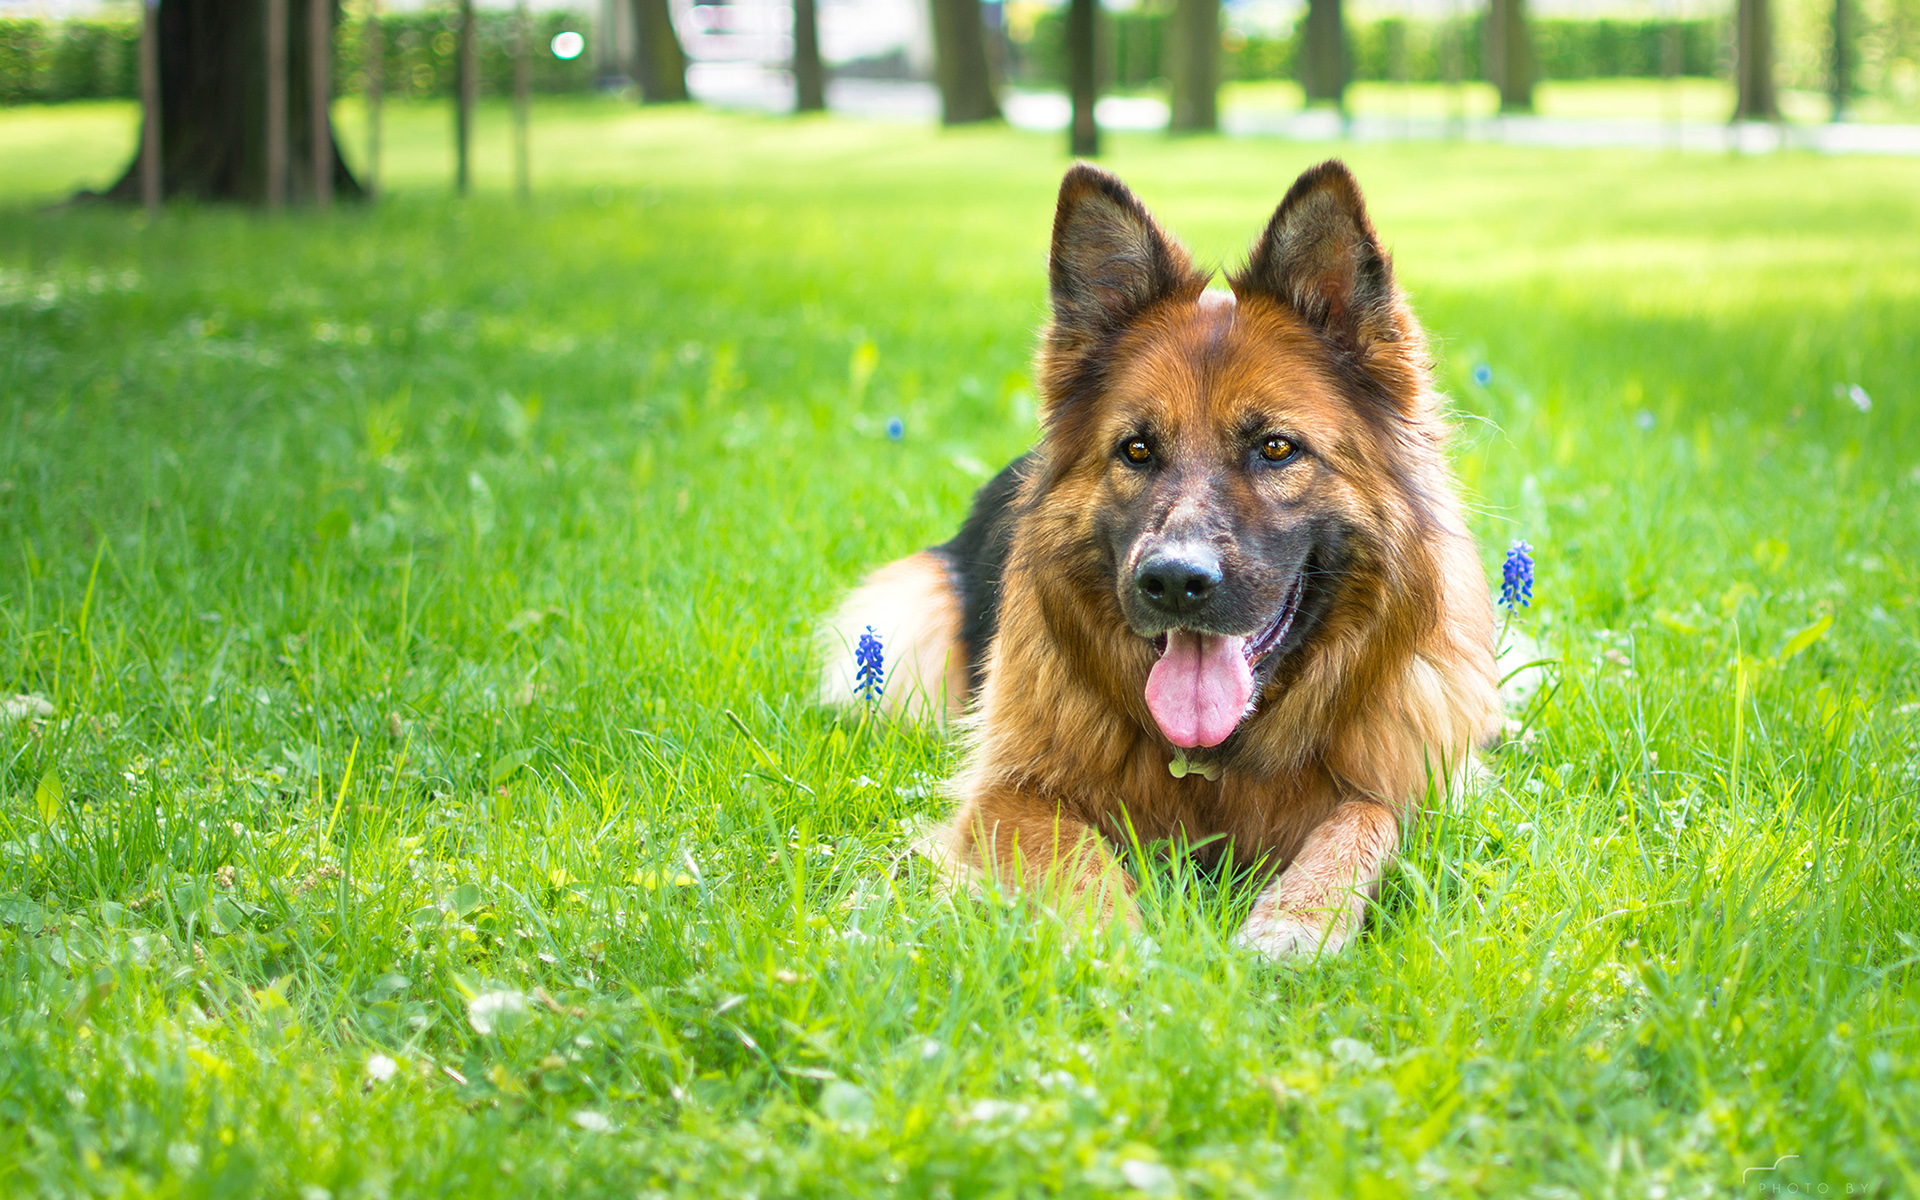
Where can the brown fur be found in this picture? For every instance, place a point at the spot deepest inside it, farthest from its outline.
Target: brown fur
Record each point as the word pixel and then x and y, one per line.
pixel 927 677
pixel 1388 695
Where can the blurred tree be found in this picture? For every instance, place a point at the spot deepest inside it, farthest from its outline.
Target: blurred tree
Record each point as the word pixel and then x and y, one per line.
pixel 960 63
pixel 1843 54
pixel 213 105
pixel 809 77
pixel 466 94
pixel 1510 54
pixel 660 65
pixel 1323 59
pixel 1195 65
pixel 1754 98
pixel 1083 130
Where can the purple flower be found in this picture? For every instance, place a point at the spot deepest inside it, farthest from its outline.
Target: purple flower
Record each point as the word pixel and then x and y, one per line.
pixel 870 676
pixel 1516 576
pixel 896 429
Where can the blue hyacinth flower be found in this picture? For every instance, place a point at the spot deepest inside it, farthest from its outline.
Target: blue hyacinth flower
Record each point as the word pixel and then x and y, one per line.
pixel 870 662
pixel 1516 576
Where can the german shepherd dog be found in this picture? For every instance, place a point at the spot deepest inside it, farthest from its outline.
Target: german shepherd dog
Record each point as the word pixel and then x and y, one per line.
pixel 1229 598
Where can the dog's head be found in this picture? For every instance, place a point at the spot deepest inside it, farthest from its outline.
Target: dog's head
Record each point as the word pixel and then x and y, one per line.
pixel 1220 456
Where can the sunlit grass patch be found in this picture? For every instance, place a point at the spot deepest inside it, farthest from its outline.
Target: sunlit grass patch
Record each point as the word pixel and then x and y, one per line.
pixel 410 781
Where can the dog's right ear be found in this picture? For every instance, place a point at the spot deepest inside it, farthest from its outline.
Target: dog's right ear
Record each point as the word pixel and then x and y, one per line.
pixel 1110 260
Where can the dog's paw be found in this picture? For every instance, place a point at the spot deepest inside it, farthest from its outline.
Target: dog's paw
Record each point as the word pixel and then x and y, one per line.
pixel 1281 932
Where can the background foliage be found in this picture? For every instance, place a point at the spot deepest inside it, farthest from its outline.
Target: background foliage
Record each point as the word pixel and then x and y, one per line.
pixel 44 60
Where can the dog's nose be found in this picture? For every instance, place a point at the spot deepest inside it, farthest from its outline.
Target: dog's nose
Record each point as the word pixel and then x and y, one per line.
pixel 1178 579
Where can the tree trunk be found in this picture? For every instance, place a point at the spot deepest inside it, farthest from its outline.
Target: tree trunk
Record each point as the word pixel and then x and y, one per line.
pixel 1196 66
pixel 1510 55
pixel 1323 61
pixel 522 103
pixel 213 106
pixel 376 92
pixel 1083 131
pixel 660 66
pixel 960 61
pixel 320 102
pixel 149 110
pixel 1753 63
pixel 809 77
pixel 466 90
pixel 1842 58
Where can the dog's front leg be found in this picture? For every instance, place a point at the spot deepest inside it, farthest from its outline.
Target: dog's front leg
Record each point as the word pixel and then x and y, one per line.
pixel 1319 902
pixel 1025 842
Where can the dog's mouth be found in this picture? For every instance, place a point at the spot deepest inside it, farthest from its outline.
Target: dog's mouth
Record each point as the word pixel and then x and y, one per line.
pixel 1202 686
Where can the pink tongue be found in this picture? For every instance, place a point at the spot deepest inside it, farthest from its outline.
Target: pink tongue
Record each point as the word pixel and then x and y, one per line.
pixel 1199 689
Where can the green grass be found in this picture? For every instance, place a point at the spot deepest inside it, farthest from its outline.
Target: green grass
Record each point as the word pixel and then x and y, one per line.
pixel 389 577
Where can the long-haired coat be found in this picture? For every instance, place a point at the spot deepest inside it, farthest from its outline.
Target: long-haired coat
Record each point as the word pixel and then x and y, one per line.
pixel 1229 593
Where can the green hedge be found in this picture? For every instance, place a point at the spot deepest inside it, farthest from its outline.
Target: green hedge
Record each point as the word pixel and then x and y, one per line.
pixel 1593 49
pixel 1386 49
pixel 43 61
pixel 419 59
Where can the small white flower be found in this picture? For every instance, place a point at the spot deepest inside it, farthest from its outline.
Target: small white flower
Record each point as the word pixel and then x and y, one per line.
pixel 1146 1176
pixel 994 1110
pixel 592 1122
pixel 25 707
pixel 1860 399
pixel 380 1068
pixel 496 1010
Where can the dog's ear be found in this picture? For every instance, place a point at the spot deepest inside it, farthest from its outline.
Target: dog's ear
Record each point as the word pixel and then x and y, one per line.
pixel 1320 257
pixel 1109 261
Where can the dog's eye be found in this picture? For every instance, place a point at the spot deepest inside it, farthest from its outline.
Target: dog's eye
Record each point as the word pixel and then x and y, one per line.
pixel 1137 451
pixel 1276 449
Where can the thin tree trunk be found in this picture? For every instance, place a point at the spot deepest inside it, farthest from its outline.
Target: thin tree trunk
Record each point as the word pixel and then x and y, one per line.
pixel 1753 63
pixel 466 87
pixel 1083 131
pixel 376 95
pixel 1842 58
pixel 1510 54
pixel 809 76
pixel 660 65
pixel 150 160
pixel 1323 64
pixel 276 104
pixel 213 62
pixel 1196 66
pixel 1453 68
pixel 522 104
pixel 320 100
pixel 960 54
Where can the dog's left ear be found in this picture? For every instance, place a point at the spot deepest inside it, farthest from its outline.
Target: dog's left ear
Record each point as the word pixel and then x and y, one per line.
pixel 1320 257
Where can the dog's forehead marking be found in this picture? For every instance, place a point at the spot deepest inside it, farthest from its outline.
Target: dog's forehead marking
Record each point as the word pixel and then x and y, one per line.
pixel 1215 308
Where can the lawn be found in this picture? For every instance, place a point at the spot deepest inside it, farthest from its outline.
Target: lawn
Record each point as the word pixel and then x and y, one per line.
pixel 411 785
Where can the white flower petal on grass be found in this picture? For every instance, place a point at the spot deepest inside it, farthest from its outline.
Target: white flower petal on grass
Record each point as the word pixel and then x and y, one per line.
pixel 490 1011
pixel 592 1122
pixel 380 1068
pixel 847 1103
pixel 26 706
pixel 995 1110
pixel 1146 1176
